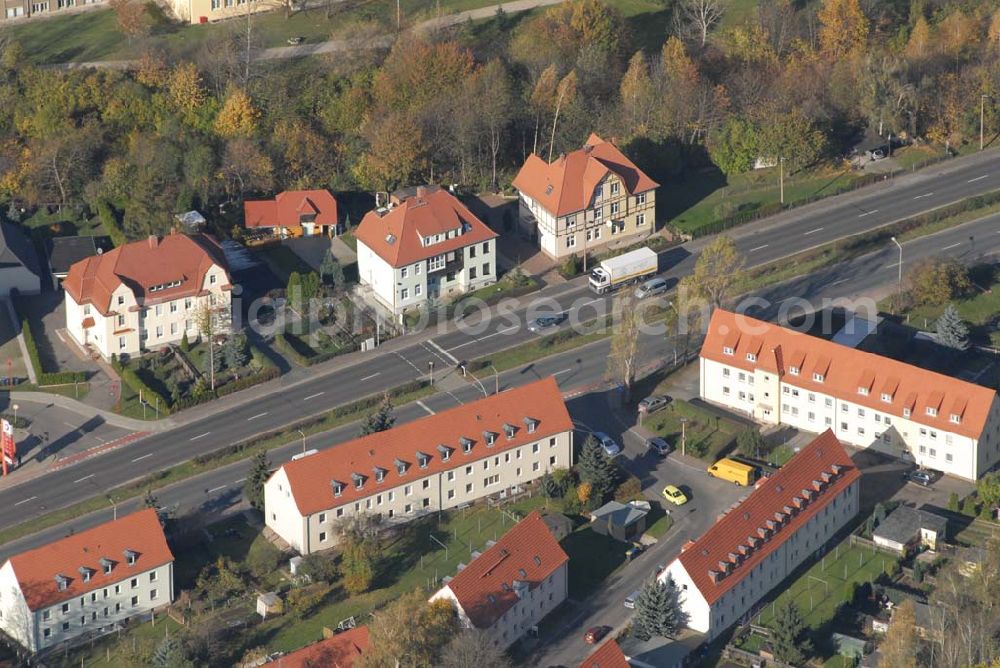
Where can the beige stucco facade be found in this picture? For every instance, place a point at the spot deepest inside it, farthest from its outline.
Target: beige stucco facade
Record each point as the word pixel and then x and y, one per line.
pixel 206 11
pixel 466 481
pixel 131 328
pixel 612 216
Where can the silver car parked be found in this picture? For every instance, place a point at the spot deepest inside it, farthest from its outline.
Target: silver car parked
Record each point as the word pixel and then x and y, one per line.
pixel 652 287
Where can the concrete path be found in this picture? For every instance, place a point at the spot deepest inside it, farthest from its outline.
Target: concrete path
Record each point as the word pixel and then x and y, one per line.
pixel 342 45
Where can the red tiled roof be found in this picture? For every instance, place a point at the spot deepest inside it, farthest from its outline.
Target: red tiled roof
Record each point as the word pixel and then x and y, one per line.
pixel 527 553
pixel 608 655
pixel 397 235
pixel 36 570
pixel 285 209
pixel 144 264
pixel 845 369
pixel 338 651
pixel 714 551
pixel 311 478
pixel 567 184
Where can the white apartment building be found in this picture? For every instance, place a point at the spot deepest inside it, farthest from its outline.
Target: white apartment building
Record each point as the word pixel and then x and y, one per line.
pixel 513 585
pixel 778 376
pixel 759 542
pixel 483 448
pixel 87 582
pixel 146 294
pixel 424 246
pixel 587 199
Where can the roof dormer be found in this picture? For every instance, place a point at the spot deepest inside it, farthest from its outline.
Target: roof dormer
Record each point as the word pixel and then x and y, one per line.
pixel 531 424
pixel 490 437
pixel 379 473
pixel 423 459
pixel 130 557
pixel 86 573
pixel 466 444
pixel 509 430
pixel 401 466
pixel 338 489
pixel 445 452
pixel 62 582
pixel 359 480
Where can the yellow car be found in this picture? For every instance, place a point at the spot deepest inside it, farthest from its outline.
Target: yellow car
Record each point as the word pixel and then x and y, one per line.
pixel 674 495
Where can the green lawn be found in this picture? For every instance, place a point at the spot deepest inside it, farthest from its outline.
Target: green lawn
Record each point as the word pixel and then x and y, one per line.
pixel 828 583
pixel 708 435
pixel 658 523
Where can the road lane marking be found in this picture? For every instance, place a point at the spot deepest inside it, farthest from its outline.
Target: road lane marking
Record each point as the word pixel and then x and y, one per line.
pixel 200 436
pixel 843 280
pixel 818 229
pixel 563 371
pixel 217 489
pixel 25 500
pixel 868 213
pixel 890 266
pixel 955 245
pixel 419 372
pixel 454 360
pixel 483 338
pixel 86 477
pixel 758 248
pixel 239 481
pixel 318 394
pixel 978 178
pixel 258 415
pixel 424 406
pixel 588 303
pixel 365 378
pixel 143 457
pixel 924 195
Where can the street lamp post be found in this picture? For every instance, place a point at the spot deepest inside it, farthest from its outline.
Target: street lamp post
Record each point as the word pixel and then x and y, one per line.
pixel 303 434
pixel 899 280
pixel 15 407
pixel 781 178
pixel 982 112
pixel 684 422
pixel 430 365
pixel 496 377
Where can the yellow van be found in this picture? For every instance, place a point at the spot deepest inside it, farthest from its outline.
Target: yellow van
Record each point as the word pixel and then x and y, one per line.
pixel 733 471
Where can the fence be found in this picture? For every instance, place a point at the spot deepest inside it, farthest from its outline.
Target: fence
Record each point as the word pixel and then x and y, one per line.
pixel 857 540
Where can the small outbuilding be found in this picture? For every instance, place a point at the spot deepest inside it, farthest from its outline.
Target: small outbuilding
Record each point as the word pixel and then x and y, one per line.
pixel 19 267
pixel 269 603
pixel 625 522
pixel 560 525
pixel 907 528
pixel 64 252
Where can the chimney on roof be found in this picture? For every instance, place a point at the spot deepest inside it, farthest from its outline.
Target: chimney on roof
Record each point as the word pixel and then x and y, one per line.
pixel 587 148
pixel 562 158
pixel 153 240
pixel 521 588
pixel 421 191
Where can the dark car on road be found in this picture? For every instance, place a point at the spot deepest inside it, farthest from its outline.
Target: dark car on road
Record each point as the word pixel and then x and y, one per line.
pixel 921 477
pixel 659 446
pixel 595 633
pixel 544 323
pixel 653 403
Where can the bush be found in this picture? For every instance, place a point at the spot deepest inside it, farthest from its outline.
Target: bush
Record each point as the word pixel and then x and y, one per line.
pixel 262 559
pixel 969 507
pixel 570 267
pixel 149 395
pixel 953 502
pixel 571 502
pixel 109 221
pixel 318 568
pixel 628 490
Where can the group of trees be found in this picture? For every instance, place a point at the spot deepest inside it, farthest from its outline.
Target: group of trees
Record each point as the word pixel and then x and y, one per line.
pixel 795 81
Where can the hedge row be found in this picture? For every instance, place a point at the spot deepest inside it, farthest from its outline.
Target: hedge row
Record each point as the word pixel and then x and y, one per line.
pixel 361 405
pixel 139 386
pixel 46 378
pixel 292 348
pixel 267 373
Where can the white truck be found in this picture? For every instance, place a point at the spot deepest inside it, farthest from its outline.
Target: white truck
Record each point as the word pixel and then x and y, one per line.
pixel 623 270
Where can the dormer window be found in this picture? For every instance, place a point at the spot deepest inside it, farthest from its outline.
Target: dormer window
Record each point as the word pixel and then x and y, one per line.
pixel 445 452
pixel 401 466
pixel 531 423
pixel 794 370
pixel 466 444
pixel 338 488
pixel 906 412
pixel 955 419
pixel 818 377
pixel 863 391
pixel 62 582
pixel 359 480
pixel 423 459
pixel 86 573
pixel 106 565
pixel 490 438
pixel 726 350
pixel 130 557
pixel 886 397
pixel 510 430
pixel 932 411
pixel 380 474
pixel 751 357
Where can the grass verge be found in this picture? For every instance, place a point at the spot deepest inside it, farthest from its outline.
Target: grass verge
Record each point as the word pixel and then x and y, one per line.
pixel 213 460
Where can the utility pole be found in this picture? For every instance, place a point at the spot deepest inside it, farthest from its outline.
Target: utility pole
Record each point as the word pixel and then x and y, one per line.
pixel 303 434
pixel 982 112
pixel 684 422
pixel 781 178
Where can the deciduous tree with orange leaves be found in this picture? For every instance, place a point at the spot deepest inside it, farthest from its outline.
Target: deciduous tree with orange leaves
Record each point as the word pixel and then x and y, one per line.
pixel 843 28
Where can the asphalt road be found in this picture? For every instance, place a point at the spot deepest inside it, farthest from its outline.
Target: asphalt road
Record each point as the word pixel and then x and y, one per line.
pixel 302 393
pixel 217 490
